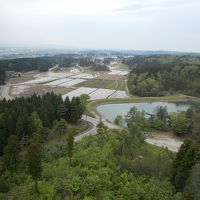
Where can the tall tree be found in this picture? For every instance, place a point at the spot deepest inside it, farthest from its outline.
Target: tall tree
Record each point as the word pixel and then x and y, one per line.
pixel 180 124
pixel 61 129
pixel 67 104
pixel 3 135
pixel 70 144
pixel 11 153
pixel 74 111
pixel 186 158
pixel 35 124
pixel 62 111
pixel 34 160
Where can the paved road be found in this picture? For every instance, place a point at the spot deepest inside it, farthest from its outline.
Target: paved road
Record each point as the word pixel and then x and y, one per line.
pixel 92 130
pixel 5 91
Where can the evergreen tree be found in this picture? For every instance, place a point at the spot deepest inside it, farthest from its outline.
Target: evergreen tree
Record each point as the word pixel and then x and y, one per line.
pixel 61 129
pixel 186 158
pixel 3 135
pixel 62 112
pixel 67 104
pixel 34 160
pixel 11 153
pixel 35 124
pixel 20 130
pixel 75 110
pixel 70 144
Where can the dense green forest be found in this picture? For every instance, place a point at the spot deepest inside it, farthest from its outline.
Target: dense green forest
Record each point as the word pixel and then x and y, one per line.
pixel 44 63
pixel 2 76
pixel 23 116
pixel 158 74
pixel 27 64
pixel 40 159
pixel 86 62
pixel 113 165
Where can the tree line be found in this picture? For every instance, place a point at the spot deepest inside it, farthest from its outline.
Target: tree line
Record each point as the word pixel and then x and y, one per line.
pixel 162 74
pixel 100 67
pixel 181 123
pixel 27 64
pixel 22 116
pixel 2 76
pixel 44 63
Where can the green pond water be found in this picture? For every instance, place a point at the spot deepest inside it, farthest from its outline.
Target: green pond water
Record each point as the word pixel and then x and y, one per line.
pixel 110 111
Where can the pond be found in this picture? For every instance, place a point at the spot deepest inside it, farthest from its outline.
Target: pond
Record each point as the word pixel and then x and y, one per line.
pixel 110 111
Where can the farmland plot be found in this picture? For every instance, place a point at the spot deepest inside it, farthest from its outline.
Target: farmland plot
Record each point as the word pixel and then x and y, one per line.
pixel 115 72
pixel 80 75
pixel 58 82
pixel 72 83
pixel 111 68
pixel 101 94
pixel 123 73
pixel 59 75
pixel 75 71
pixel 78 92
pixel 18 89
pixel 119 94
pixel 105 84
pixel 90 76
pixel 39 80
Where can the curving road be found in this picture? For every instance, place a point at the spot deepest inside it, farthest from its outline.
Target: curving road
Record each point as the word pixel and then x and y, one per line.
pixel 92 130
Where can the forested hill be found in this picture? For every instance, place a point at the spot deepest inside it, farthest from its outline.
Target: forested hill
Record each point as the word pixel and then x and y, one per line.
pixel 154 75
pixel 160 62
pixel 27 64
pixel 22 116
pixel 44 63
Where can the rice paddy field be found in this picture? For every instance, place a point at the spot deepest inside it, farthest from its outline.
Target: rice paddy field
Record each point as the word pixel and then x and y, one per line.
pixel 40 80
pixel 105 84
pixel 101 94
pixel 94 93
pixel 72 83
pixel 58 82
pixel 78 92
pixel 118 94
pixel 116 72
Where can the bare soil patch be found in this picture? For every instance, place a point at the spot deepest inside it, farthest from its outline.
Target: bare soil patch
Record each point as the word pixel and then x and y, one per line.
pixel 41 89
pixel 25 77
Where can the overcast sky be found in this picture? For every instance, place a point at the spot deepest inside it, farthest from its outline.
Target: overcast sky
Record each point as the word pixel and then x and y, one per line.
pixel 107 24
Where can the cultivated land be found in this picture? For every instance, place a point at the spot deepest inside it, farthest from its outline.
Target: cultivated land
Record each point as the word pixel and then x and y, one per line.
pixel 71 82
pixel 105 84
pixel 104 87
pixel 21 90
pixel 78 92
pixel 112 77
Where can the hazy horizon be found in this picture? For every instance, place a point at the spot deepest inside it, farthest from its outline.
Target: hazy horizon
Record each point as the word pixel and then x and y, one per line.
pixel 153 25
